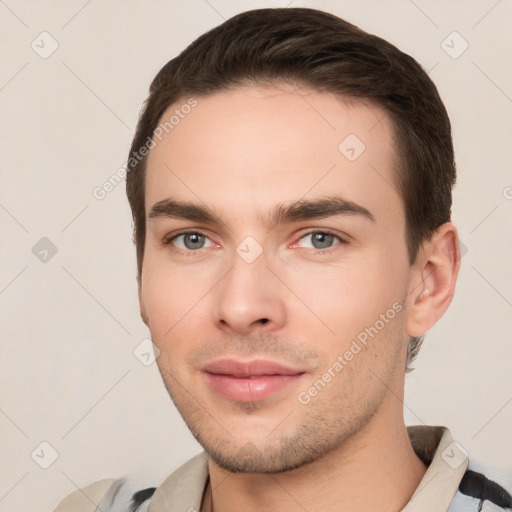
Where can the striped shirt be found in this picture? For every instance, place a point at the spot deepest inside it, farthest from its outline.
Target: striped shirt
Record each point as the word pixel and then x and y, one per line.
pixel 451 484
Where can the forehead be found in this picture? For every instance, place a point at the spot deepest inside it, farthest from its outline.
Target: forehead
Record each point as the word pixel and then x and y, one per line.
pixel 253 147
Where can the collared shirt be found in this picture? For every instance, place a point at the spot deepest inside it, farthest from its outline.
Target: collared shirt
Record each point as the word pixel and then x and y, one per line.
pixel 447 486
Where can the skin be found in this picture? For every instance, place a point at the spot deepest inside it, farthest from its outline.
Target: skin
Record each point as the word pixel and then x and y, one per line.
pixel 242 152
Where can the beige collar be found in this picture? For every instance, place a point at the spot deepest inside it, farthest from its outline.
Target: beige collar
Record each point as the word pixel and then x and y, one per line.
pixel 184 489
pixel 448 463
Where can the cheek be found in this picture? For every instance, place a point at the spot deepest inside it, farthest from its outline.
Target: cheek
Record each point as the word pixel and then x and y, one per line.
pixel 169 295
pixel 169 302
pixel 349 300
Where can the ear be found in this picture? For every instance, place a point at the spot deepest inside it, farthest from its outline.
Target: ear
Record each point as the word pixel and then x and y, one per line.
pixel 142 306
pixel 434 276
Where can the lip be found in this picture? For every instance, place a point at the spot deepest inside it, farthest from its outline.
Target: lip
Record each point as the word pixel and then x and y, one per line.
pixel 249 381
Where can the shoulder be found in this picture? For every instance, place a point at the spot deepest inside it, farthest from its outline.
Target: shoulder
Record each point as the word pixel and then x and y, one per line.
pixel 112 495
pixel 86 498
pixel 482 492
pixel 184 486
pixel 461 483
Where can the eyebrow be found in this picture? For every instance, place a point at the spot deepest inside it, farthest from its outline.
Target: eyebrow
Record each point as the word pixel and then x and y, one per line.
pixel 302 209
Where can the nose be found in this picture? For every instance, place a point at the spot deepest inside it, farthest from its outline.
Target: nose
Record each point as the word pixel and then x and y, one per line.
pixel 250 298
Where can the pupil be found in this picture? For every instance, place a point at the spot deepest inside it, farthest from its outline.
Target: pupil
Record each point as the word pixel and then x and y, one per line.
pixel 195 240
pixel 325 242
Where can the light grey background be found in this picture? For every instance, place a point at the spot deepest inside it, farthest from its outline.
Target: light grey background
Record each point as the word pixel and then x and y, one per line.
pixel 70 324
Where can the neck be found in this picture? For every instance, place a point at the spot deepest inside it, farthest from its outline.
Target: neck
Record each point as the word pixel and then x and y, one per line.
pixel 376 469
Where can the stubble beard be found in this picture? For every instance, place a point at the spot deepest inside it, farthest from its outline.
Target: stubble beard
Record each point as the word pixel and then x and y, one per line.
pixel 324 426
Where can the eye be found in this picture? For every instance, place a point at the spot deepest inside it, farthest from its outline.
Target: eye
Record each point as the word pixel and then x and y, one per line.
pixel 189 241
pixel 321 241
pixel 192 242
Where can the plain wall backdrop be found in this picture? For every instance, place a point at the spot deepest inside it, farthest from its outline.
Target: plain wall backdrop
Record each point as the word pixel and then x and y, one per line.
pixel 70 320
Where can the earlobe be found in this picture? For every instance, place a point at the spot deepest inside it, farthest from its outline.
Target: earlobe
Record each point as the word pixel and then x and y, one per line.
pixel 433 284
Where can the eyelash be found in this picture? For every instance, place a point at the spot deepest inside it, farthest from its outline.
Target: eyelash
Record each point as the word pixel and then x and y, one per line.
pixel 319 252
pixel 197 252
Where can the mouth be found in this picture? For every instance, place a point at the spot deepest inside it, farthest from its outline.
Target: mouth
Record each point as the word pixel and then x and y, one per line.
pixel 249 381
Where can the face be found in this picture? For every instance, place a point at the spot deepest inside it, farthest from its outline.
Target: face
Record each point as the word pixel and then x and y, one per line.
pixel 275 272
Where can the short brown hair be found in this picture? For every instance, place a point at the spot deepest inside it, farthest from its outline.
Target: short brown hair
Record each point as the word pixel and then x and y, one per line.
pixel 321 51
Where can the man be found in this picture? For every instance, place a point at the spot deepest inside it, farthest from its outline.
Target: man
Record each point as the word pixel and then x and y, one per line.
pixel 290 182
